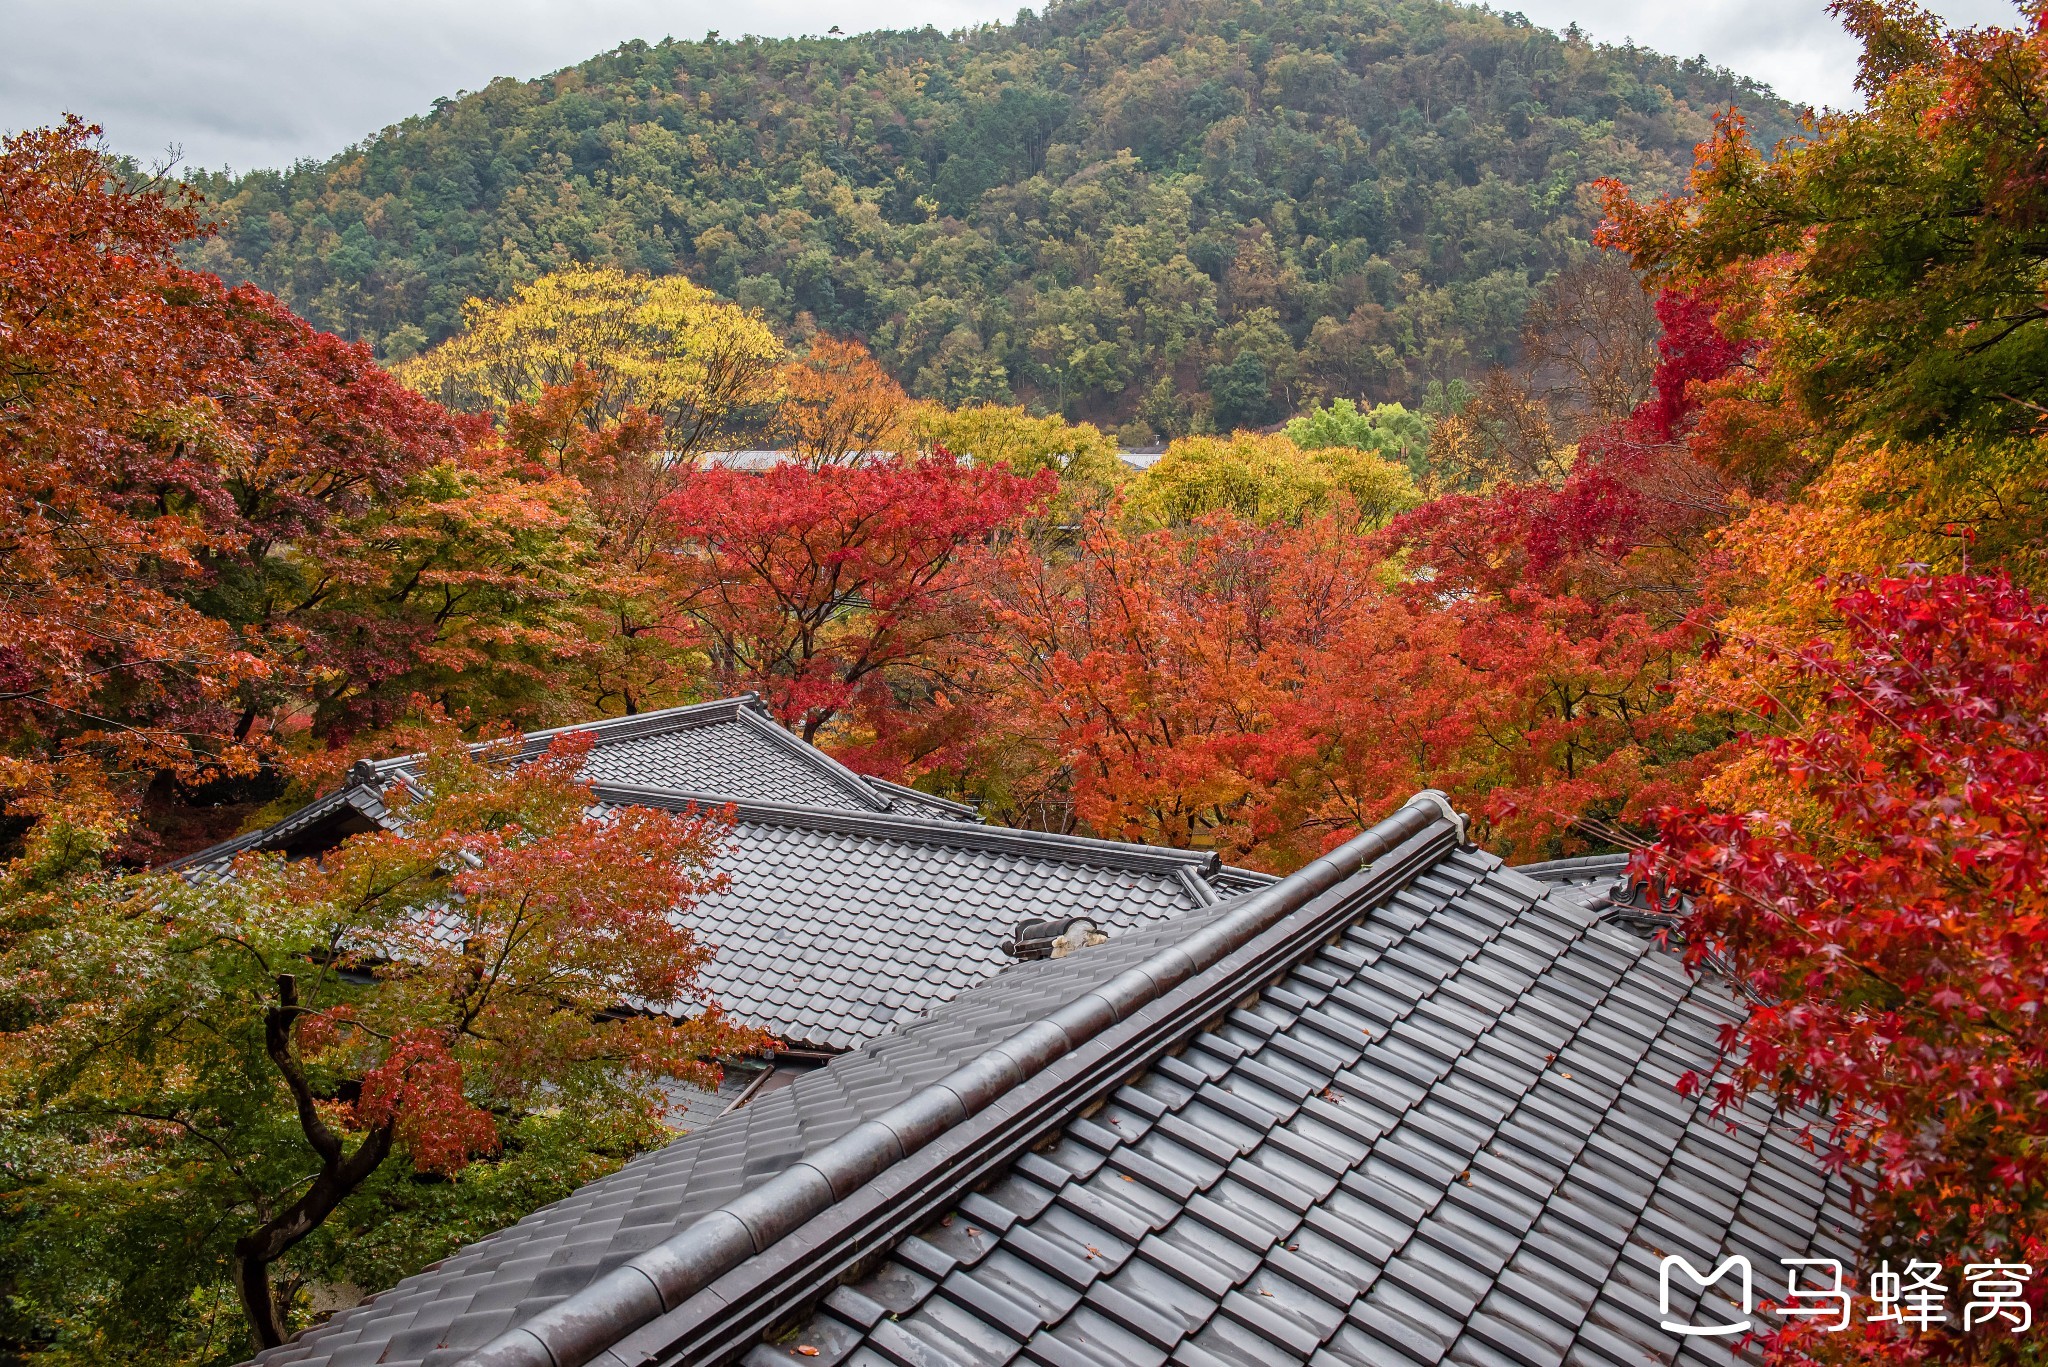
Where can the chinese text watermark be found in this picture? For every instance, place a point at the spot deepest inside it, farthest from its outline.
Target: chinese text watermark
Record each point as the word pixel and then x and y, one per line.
pixel 1915 1297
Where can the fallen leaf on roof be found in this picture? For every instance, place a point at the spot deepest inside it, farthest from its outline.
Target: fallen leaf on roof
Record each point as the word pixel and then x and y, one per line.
pixel 807 1350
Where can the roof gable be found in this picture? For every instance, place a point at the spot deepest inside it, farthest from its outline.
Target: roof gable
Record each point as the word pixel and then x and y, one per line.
pixel 852 904
pixel 728 750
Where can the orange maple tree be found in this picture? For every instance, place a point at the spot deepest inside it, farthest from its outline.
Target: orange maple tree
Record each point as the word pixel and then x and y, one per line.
pixel 838 404
pixel 221 526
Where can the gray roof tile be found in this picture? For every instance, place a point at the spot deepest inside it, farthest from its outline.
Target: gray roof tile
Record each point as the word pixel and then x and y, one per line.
pixel 564 1246
pixel 1447 1194
pixel 1380 1160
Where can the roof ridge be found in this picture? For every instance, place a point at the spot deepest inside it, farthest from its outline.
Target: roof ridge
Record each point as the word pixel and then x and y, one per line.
pixel 810 754
pixel 965 834
pixel 1061 1059
pixel 1552 870
pixel 604 731
pixel 966 809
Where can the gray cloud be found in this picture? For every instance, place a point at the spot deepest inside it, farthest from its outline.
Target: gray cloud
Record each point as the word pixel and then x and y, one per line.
pixel 1794 46
pixel 263 82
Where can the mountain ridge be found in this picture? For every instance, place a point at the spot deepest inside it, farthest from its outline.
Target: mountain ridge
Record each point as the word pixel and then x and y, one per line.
pixel 1161 216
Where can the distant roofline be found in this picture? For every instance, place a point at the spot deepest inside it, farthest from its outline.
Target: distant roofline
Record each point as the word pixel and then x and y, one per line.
pixel 1576 869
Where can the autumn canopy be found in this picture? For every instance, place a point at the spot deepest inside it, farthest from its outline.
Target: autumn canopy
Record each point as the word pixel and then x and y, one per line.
pixel 1736 564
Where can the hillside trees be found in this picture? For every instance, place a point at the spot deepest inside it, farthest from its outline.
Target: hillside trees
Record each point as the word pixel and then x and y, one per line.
pixel 1088 210
pixel 229 1062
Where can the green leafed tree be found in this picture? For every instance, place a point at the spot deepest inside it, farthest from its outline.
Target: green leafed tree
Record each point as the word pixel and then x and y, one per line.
pixel 1387 429
pixel 229 1097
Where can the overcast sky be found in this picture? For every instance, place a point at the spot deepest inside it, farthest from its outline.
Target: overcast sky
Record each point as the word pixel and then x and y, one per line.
pixel 248 83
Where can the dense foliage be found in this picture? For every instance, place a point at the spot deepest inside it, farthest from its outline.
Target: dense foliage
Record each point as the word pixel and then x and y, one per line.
pixel 209 1070
pixel 1732 537
pixel 1161 216
pixel 1888 917
pixel 226 532
pixel 1867 855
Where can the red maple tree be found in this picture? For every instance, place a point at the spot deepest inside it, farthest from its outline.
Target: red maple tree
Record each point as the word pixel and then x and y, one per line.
pixel 1889 914
pixel 222 526
pixel 836 591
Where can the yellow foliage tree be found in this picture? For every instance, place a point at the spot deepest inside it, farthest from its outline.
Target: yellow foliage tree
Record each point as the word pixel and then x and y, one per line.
pixel 1875 511
pixel 665 345
pixel 1267 479
pixel 616 381
pixel 1081 454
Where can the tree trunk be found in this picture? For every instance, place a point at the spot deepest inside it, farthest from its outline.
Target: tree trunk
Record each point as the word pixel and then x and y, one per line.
pixel 256 1251
pixel 340 1174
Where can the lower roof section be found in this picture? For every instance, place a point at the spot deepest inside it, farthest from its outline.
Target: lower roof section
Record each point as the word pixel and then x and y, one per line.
pixel 1453 1135
pixel 852 904
pixel 1427 1112
pixel 836 927
pixel 440 1315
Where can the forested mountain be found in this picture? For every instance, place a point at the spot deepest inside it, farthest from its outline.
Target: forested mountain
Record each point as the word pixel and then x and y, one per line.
pixel 1163 214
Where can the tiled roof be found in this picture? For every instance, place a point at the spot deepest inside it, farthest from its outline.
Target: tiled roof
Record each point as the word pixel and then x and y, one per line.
pixel 1586 876
pixel 728 756
pixel 835 927
pixel 439 1315
pixel 852 903
pixel 1441 1125
pixel 1455 1136
pixel 731 748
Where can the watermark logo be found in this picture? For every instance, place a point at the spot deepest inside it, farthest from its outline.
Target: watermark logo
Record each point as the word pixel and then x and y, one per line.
pixel 1737 1264
pixel 1995 1291
pixel 1915 1297
pixel 1833 1302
